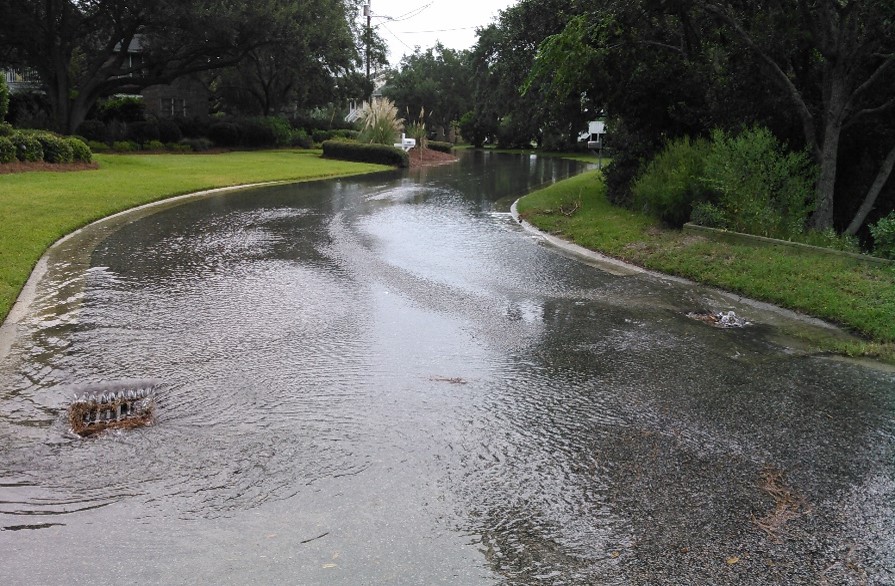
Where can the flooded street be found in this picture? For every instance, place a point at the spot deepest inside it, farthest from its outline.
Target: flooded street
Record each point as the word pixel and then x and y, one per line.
pixel 386 380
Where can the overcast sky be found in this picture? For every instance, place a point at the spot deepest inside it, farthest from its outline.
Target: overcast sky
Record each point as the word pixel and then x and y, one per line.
pixel 424 22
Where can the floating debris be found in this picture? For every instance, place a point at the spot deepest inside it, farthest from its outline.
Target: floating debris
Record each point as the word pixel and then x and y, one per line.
pixel 123 405
pixel 720 319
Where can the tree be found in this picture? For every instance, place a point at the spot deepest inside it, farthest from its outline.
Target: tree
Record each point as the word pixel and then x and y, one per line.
pixel 437 80
pixel 80 47
pixel 299 67
pixel 850 78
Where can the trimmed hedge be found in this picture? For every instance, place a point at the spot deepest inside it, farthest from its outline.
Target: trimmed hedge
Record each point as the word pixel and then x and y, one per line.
pixel 80 151
pixel 56 149
pixel 444 147
pixel 365 153
pixel 28 148
pixel 7 150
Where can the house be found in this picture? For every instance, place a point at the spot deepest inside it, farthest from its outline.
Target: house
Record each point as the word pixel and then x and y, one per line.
pixel 596 130
pixel 21 80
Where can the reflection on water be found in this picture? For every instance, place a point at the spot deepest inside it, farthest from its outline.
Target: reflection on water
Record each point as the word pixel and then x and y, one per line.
pixel 384 380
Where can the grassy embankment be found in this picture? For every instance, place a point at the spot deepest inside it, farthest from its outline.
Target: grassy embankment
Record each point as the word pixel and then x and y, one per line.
pixel 38 208
pixel 856 296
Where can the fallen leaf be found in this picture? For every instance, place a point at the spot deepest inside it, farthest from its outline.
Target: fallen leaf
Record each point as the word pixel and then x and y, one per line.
pixel 732 560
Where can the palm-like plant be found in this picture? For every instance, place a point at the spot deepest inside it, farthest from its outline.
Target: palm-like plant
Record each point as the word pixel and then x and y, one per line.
pixel 379 122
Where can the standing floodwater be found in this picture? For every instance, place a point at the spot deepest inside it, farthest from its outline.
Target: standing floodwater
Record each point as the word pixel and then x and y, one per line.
pixel 385 380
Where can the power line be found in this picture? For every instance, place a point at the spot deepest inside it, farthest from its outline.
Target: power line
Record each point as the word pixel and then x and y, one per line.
pixel 443 30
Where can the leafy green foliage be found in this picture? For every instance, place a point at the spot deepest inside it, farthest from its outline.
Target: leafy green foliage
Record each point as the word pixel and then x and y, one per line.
pixel 7 150
pixel 380 123
pixel 28 148
pixel 883 232
pixel 4 98
pixel 444 147
pixel 55 148
pixel 365 153
pixel 761 188
pixel 80 151
pixel 673 181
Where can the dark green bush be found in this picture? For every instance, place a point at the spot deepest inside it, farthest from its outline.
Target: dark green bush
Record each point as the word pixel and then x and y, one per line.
pixel 7 150
pixel 143 131
pixel 80 151
pixel 125 146
pixel 883 233
pixel 673 183
pixel 154 145
pixel 365 153
pixel 123 109
pixel 197 145
pixel 761 188
pixel 225 134
pixel 169 131
pixel 6 129
pixel 193 127
pixel 444 147
pixel 28 148
pixel 56 149
pixel 300 139
pixel 256 133
pixel 98 147
pixel 93 130
pixel 4 98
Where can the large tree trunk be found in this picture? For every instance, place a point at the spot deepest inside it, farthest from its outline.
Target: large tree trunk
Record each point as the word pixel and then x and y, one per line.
pixel 884 172
pixel 822 218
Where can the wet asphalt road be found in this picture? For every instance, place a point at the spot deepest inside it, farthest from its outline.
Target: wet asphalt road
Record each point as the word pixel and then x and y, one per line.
pixel 385 380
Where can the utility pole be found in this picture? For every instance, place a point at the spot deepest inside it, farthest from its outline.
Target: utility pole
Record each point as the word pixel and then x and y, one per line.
pixel 369 15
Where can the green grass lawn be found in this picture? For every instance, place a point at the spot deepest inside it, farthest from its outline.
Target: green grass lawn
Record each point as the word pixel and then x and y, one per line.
pixel 857 296
pixel 38 208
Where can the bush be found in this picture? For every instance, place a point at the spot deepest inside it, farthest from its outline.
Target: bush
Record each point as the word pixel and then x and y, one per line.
pixel 225 134
pixel 761 188
pixel 28 148
pixel 279 128
pixel 883 232
pixel 673 182
pixel 193 127
pixel 4 98
pixel 380 123
pixel 93 130
pixel 197 145
pixel 80 151
pixel 56 149
pixel 7 150
pixel 300 139
pixel 6 129
pixel 179 147
pixel 255 133
pixel 124 109
pixel 98 147
pixel 125 146
pixel 169 131
pixel 365 153
pixel 154 145
pixel 143 131
pixel 444 147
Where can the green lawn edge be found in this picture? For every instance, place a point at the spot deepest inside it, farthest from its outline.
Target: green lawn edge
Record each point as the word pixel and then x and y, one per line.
pixel 858 297
pixel 38 208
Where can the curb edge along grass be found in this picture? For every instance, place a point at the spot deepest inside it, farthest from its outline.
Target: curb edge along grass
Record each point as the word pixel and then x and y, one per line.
pixel 28 293
pixel 636 240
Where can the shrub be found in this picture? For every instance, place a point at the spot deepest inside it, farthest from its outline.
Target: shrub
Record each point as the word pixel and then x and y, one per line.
pixel 761 188
pixel 193 127
pixel 379 122
pixel 125 146
pixel 154 145
pixel 444 147
pixel 225 134
pixel 179 147
pixel 143 131
pixel 28 148
pixel 4 98
pixel 197 145
pixel 98 147
pixel 93 130
pixel 56 149
pixel 300 139
pixel 883 232
pixel 365 153
pixel 169 131
pixel 80 151
pixel 6 129
pixel 672 182
pixel 279 129
pixel 255 133
pixel 7 150
pixel 123 109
